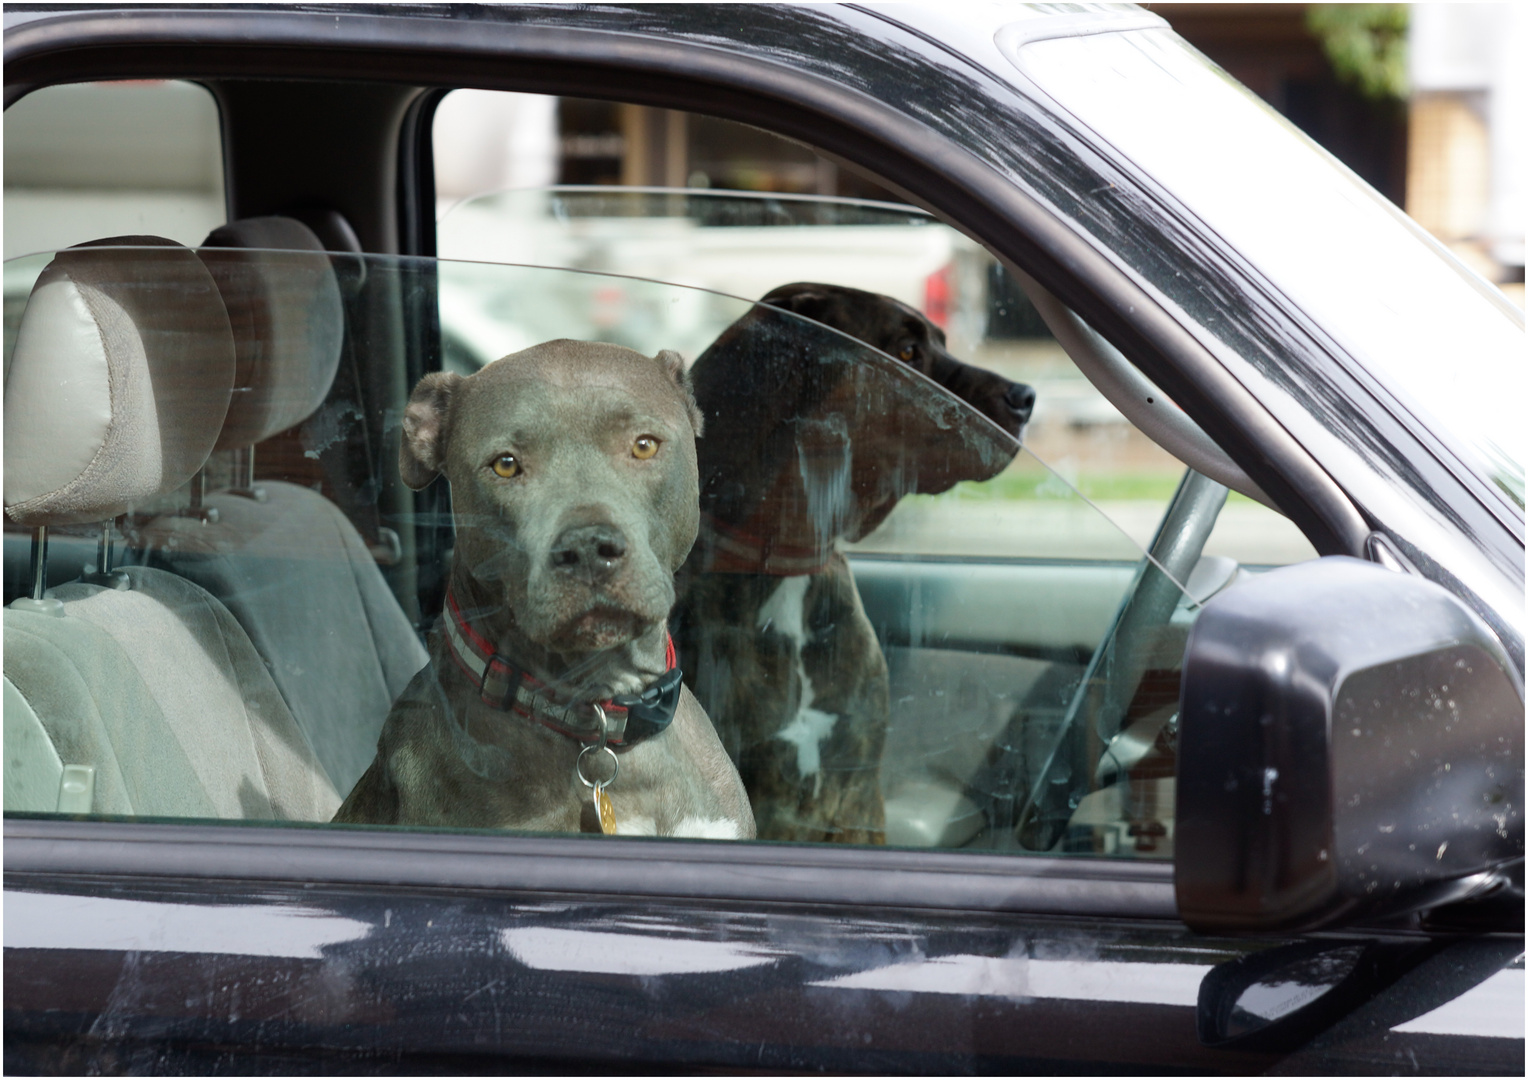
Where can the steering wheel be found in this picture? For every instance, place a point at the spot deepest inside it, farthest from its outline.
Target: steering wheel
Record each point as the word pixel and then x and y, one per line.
pixel 1114 673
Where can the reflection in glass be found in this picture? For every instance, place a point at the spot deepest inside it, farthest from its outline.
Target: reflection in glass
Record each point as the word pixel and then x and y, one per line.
pixel 1369 276
pixel 892 612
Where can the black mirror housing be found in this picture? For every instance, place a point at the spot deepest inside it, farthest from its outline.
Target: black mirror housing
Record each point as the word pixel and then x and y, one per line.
pixel 1350 747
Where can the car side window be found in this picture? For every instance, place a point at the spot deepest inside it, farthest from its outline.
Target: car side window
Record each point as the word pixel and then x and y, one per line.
pixel 253 635
pixel 937 594
pixel 85 161
pixel 497 156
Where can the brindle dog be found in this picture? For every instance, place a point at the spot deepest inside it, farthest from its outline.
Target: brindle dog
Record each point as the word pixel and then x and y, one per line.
pixel 811 441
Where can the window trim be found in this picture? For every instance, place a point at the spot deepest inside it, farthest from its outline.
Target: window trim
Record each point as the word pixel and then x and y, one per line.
pixel 633 866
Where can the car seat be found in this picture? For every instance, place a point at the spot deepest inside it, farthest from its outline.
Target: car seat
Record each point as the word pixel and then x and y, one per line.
pixel 283 558
pixel 132 692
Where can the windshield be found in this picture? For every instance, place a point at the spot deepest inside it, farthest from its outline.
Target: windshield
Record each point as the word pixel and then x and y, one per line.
pixel 1443 342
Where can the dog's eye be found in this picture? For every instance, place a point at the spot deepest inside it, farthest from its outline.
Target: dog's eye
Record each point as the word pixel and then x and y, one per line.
pixel 506 465
pixel 645 447
pixel 907 352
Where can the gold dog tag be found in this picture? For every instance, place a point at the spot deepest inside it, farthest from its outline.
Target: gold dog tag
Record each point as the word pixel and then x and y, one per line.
pixel 606 811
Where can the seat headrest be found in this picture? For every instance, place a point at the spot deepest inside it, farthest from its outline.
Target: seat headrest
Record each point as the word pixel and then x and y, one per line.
pixel 118 383
pixel 288 323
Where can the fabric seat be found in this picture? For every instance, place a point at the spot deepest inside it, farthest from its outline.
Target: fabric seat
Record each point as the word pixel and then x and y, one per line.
pixel 118 386
pixel 304 586
pixel 283 558
pixel 73 683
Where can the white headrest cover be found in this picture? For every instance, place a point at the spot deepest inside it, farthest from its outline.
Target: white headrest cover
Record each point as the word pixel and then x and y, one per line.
pixel 288 323
pixel 118 383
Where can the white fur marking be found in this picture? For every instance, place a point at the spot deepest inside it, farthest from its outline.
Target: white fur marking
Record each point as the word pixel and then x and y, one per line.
pixel 785 613
pixel 635 825
pixel 824 455
pixel 807 731
pixel 708 828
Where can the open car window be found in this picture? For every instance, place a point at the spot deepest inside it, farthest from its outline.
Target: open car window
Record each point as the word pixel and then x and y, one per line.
pixel 227 614
pixel 132 158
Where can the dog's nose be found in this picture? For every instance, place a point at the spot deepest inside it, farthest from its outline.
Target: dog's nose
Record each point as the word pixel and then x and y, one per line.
pixel 1021 399
pixel 589 550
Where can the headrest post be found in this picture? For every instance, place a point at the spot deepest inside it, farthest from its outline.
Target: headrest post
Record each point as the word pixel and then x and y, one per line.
pixel 198 491
pixel 196 500
pixel 43 605
pixel 103 574
pixel 243 481
pixel 246 463
pixel 39 561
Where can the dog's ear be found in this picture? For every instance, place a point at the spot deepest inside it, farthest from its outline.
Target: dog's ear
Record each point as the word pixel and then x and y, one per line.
pixel 802 298
pixel 673 366
pixel 422 450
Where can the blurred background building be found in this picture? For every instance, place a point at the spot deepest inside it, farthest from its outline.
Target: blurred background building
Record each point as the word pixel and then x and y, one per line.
pixel 1424 101
pixel 576 141
pixel 1464 180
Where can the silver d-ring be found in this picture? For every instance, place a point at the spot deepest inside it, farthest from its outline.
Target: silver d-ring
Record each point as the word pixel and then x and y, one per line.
pixel 615 765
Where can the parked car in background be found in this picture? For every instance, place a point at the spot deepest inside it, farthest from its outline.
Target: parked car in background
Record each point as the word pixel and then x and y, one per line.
pixel 1204 748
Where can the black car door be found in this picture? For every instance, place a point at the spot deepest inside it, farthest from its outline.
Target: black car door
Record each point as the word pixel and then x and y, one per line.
pixel 137 945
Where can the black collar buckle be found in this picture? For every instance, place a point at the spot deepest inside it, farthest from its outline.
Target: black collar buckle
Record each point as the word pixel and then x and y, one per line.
pixel 651 711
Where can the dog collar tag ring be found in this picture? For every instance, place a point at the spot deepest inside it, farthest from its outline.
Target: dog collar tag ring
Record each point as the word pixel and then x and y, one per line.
pixel 605 810
pixel 601 800
pixel 602 804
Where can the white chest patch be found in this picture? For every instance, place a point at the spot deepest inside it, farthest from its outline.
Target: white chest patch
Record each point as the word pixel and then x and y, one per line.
pixel 785 610
pixel 708 828
pixel 635 825
pixel 785 613
pixel 806 731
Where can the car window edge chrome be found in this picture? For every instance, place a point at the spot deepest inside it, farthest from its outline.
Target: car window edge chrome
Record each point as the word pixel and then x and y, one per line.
pixel 693 869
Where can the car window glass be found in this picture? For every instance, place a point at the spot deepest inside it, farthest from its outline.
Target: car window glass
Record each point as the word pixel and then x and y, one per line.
pixel 1369 276
pixel 922 696
pixel 745 244
pixel 495 153
pixel 90 160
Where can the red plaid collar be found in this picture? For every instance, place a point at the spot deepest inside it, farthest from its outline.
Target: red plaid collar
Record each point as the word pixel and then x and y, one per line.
pixel 629 718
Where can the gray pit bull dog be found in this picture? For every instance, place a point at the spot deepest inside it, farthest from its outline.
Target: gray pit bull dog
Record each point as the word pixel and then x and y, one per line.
pixel 552 701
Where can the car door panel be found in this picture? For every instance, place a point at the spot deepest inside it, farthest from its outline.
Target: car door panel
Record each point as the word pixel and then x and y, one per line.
pixel 137 946
pixel 241 977
pixel 153 975
pixel 1040 609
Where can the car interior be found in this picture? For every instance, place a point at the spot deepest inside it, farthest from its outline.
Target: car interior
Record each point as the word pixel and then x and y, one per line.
pixel 216 582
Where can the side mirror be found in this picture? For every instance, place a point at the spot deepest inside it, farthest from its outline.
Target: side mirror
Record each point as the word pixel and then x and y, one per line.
pixel 1350 747
pixel 1293 998
pixel 1278 998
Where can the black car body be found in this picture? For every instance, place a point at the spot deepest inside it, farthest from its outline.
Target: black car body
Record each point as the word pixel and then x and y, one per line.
pixel 164 946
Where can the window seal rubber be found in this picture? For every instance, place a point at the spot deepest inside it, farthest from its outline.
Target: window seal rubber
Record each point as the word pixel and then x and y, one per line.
pixel 709 870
